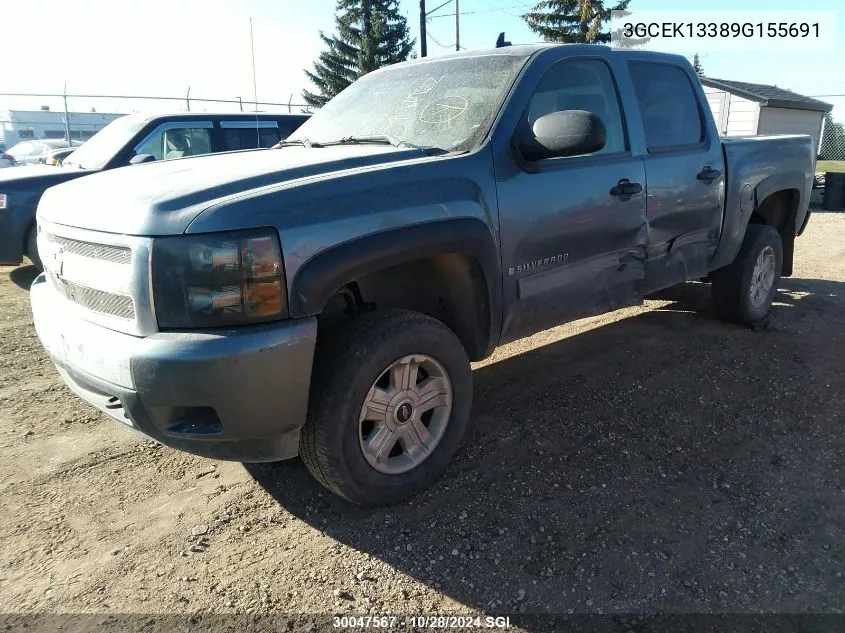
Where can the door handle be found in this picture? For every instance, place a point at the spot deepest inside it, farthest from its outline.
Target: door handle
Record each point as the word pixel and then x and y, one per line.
pixel 708 175
pixel 626 188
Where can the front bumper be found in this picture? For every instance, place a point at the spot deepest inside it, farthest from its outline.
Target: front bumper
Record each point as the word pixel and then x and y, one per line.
pixel 239 394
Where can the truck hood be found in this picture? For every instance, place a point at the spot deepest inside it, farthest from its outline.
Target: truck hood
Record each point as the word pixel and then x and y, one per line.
pixel 163 198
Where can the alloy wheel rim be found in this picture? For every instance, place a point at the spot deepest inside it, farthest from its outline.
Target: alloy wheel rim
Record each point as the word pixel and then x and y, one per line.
pixel 405 414
pixel 762 277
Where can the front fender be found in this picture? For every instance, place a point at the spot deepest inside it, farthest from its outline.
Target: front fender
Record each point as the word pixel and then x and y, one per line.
pixel 320 277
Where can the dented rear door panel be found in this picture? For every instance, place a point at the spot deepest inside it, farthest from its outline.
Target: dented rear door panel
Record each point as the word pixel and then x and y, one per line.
pixel 685 170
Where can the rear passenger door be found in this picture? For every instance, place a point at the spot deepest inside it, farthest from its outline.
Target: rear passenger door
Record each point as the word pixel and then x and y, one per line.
pixel 246 134
pixel 684 170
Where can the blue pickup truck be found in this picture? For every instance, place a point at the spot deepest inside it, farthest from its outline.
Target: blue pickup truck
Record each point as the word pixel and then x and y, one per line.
pixel 325 298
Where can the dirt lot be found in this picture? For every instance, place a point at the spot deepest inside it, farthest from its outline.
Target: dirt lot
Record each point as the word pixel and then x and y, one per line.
pixel 653 460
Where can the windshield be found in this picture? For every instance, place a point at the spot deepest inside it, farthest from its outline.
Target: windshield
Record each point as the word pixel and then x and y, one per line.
pixel 102 147
pixel 447 104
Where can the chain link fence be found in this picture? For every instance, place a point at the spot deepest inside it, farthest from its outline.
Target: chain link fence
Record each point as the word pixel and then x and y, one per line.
pixel 832 147
pixel 80 116
pixel 831 160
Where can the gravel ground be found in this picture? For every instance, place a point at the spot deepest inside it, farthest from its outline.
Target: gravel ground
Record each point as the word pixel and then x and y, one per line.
pixel 652 460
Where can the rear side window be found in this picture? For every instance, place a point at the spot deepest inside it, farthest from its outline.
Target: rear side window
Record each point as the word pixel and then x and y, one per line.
pixel 249 134
pixel 289 125
pixel 668 105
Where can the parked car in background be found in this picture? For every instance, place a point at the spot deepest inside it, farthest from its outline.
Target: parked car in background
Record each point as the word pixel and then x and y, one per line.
pixel 131 139
pixel 37 151
pixel 57 156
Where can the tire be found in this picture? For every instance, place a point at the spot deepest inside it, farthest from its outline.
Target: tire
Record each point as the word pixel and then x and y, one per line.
pixel 349 367
pixel 32 249
pixel 743 291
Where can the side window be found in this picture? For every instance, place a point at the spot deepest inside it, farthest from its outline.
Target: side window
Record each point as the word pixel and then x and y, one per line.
pixel 243 135
pixel 289 126
pixel 174 140
pixel 269 136
pixel 581 85
pixel 668 105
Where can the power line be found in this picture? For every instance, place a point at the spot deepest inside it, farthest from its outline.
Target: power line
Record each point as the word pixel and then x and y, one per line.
pixel 499 8
pixel 492 10
pixel 434 39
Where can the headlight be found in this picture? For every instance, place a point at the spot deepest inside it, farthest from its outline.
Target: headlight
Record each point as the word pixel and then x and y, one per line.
pixel 218 279
pixel 3 200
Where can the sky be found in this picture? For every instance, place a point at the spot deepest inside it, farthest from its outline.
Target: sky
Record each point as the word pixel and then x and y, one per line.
pixel 161 47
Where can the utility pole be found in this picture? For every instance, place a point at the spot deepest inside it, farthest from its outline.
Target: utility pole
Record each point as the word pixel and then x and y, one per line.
pixel 457 27
pixel 188 99
pixel 423 42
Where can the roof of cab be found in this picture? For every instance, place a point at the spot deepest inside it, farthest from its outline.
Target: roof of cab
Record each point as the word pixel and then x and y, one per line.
pixel 528 50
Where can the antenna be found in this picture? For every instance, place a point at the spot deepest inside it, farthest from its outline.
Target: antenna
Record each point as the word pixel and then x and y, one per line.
pixel 254 83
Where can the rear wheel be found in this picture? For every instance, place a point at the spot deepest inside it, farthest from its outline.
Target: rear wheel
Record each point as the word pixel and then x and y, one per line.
pixel 391 399
pixel 32 249
pixel 743 291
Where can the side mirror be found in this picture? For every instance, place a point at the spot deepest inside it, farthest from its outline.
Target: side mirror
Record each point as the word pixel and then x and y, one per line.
pixel 141 158
pixel 565 133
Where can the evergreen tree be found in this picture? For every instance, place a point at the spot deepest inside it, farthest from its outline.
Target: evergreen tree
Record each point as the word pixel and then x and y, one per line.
pixel 572 21
pixel 696 65
pixel 370 34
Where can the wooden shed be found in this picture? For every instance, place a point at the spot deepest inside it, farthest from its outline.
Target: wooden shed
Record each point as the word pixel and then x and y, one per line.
pixel 745 109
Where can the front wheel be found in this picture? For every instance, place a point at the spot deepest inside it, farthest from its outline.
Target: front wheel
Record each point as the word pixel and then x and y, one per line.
pixel 392 394
pixel 744 290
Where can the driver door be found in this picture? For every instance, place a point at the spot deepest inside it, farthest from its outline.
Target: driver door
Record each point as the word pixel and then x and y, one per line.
pixel 573 242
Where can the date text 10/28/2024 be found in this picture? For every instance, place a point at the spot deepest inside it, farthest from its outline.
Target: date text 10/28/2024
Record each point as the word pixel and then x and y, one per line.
pixel 420 622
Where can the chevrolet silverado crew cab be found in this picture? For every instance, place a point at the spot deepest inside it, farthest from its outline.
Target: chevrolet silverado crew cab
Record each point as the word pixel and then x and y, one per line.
pixel 325 298
pixel 130 139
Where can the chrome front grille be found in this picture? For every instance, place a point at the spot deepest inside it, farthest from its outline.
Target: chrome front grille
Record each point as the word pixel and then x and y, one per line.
pixel 94 276
pixel 103 252
pixel 100 301
pixel 104 278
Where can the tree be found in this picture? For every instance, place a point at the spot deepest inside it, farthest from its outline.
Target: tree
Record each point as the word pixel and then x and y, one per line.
pixel 696 65
pixel 572 21
pixel 832 146
pixel 370 34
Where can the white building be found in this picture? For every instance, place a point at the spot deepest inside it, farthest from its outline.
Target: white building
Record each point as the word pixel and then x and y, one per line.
pixel 746 109
pixel 22 125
